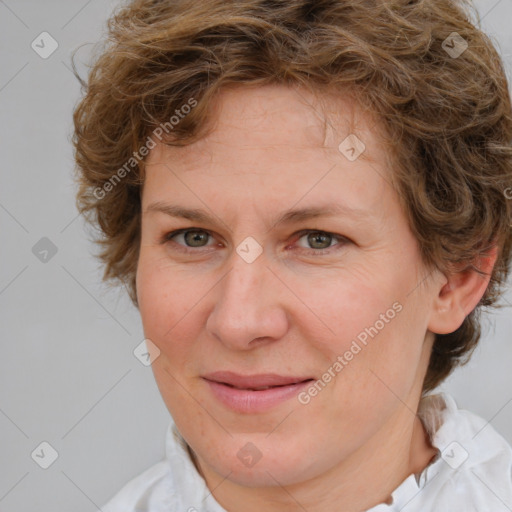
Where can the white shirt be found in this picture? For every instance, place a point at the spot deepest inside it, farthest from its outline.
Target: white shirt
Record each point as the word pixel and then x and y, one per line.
pixel 471 473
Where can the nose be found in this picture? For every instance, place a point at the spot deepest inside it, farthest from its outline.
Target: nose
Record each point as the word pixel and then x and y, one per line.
pixel 248 306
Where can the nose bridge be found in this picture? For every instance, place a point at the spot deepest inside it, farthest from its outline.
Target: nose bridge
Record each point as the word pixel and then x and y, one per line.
pixel 247 305
pixel 241 289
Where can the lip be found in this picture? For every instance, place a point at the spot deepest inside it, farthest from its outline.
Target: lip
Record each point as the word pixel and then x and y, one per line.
pixel 253 381
pixel 237 391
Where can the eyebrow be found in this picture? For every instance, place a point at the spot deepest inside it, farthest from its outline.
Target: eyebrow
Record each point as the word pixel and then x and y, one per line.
pixel 288 217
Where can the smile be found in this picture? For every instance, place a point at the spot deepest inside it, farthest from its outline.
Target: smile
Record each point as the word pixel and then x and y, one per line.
pixel 253 394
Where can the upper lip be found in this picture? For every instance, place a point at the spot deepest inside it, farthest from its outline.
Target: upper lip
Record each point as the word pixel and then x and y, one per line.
pixel 253 381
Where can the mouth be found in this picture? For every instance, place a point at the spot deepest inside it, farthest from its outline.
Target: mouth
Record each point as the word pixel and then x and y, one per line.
pixel 258 382
pixel 251 394
pixel 263 388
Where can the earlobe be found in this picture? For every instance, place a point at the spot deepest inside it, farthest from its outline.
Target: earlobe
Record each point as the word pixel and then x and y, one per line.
pixel 460 293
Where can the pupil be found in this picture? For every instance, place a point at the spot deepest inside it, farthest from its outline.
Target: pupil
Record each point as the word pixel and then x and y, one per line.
pixel 193 236
pixel 318 236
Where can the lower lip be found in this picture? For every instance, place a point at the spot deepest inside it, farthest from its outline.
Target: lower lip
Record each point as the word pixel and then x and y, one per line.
pixel 247 401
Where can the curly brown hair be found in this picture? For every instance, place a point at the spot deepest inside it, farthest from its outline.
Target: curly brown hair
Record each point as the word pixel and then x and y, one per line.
pixel 445 108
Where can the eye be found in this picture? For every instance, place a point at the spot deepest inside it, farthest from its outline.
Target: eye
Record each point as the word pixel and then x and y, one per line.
pixel 320 242
pixel 193 238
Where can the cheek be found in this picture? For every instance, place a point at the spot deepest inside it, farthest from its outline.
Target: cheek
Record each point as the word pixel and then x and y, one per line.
pixel 165 296
pixel 166 301
pixel 161 308
pixel 374 336
pixel 155 297
pixel 349 308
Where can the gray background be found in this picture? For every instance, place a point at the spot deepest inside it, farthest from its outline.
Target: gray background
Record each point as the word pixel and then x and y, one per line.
pixel 68 373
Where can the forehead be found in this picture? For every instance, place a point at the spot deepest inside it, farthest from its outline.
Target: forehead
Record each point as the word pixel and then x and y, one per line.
pixel 274 148
pixel 287 122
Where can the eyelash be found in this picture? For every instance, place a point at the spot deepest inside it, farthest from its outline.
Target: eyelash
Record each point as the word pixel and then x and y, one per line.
pixel 314 252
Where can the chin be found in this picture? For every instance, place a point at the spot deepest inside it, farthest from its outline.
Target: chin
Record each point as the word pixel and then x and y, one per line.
pixel 270 466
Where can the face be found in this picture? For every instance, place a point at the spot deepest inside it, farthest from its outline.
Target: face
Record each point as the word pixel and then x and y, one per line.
pixel 329 310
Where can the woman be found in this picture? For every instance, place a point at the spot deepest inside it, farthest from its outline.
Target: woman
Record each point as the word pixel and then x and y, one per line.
pixel 308 203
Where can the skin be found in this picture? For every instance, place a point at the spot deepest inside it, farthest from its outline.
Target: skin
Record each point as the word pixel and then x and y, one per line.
pixel 291 311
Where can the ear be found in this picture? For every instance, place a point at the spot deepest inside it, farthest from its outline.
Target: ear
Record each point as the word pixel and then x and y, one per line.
pixel 459 294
